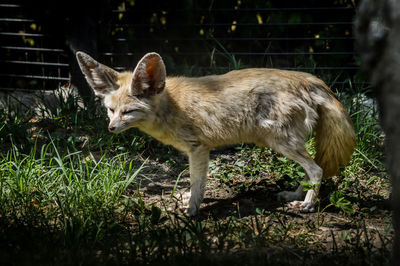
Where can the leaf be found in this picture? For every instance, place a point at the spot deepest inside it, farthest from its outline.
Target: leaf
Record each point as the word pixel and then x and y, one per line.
pixel 301 174
pixel 283 159
pixel 337 199
pixel 307 185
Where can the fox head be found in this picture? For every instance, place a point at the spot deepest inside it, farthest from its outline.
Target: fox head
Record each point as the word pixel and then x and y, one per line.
pixel 126 95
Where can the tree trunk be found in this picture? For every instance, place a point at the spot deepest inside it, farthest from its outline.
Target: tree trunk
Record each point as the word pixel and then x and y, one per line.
pixel 378 39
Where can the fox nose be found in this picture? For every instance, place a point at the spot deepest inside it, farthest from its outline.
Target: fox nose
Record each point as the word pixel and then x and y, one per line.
pixel 111 128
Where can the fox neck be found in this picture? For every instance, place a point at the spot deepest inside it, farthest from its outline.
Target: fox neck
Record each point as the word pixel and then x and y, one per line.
pixel 161 120
pixel 153 125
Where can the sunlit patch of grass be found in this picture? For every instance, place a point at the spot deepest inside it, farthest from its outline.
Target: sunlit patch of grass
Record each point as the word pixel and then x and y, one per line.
pixel 71 193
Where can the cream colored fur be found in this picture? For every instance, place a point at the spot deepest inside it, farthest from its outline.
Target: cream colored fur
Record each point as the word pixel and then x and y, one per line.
pixel 268 107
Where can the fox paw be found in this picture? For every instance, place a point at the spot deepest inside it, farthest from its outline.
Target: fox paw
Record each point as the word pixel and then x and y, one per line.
pixel 307 207
pixel 191 209
pixel 302 206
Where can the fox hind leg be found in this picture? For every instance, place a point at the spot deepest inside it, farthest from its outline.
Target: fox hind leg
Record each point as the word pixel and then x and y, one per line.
pixel 313 174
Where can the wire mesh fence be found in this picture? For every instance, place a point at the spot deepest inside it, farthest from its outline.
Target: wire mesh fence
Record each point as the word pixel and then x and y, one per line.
pixel 194 38
pixel 31 59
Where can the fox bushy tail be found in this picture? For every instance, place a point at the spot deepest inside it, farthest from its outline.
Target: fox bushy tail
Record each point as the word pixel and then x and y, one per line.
pixel 335 136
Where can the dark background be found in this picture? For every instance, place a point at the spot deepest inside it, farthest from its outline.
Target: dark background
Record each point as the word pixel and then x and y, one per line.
pixel 39 38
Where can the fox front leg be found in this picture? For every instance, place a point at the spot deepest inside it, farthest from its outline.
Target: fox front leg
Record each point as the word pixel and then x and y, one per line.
pixel 198 166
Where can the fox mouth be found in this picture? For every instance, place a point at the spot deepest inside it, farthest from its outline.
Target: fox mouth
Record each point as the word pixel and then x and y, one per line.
pixel 125 126
pixel 117 130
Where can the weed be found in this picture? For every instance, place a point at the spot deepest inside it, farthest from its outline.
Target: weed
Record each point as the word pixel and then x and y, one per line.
pixel 14 129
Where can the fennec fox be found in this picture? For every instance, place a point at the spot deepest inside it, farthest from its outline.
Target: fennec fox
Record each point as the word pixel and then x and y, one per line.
pixel 268 107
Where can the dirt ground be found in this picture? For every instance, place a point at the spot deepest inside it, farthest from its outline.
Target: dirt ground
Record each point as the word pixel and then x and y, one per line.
pixel 329 228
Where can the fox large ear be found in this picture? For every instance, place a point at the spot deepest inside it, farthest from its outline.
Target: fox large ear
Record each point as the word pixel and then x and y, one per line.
pixel 149 76
pixel 101 78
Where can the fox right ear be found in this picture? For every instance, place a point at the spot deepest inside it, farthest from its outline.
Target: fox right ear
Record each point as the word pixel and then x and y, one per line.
pixel 149 76
pixel 101 78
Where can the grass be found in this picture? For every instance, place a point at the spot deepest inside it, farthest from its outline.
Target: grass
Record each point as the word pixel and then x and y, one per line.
pixel 73 194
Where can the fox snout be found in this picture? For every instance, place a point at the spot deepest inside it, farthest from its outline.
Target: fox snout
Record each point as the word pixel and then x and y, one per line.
pixel 116 127
pixel 115 130
pixel 111 128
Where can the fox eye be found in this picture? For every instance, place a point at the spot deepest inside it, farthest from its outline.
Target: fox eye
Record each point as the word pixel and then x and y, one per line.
pixel 111 110
pixel 128 111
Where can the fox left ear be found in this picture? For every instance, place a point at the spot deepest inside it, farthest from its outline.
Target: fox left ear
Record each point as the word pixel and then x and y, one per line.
pixel 149 76
pixel 101 78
